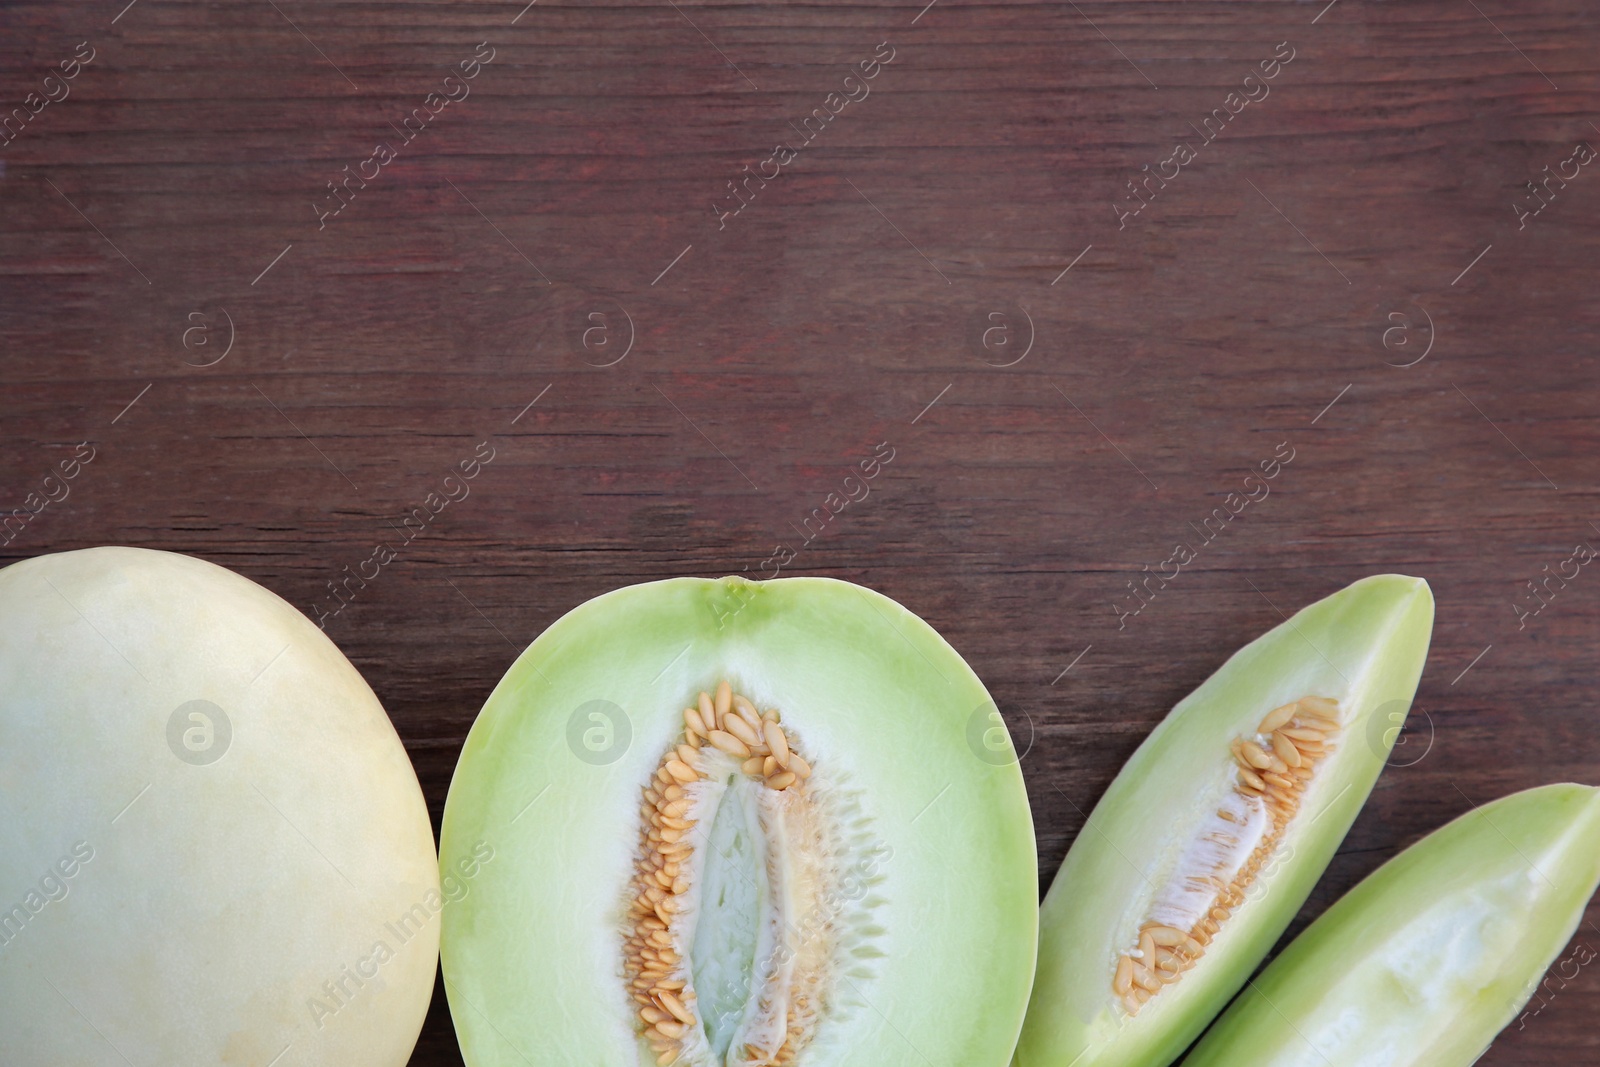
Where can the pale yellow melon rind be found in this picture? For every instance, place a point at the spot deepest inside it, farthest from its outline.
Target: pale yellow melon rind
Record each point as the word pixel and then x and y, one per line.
pixel 219 898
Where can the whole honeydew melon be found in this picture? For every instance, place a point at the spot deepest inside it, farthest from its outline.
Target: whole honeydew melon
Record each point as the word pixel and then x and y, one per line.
pixel 735 823
pixel 213 848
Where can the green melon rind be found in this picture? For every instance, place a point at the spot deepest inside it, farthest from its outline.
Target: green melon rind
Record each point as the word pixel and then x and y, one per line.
pixel 1434 953
pixel 875 696
pixel 1364 645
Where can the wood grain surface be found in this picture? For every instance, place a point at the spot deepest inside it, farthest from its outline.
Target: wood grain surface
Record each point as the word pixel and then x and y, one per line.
pixel 1352 268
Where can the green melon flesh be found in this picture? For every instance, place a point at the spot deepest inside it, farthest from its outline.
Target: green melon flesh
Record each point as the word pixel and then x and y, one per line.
pixel 1436 951
pixel 213 848
pixel 1363 647
pixel 929 816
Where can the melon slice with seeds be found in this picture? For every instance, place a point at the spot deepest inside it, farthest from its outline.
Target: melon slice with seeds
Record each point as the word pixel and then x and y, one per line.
pixel 1427 959
pixel 1212 836
pixel 745 825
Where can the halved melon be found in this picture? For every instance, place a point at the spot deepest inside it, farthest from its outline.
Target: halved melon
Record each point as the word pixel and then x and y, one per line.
pixel 740 823
pixel 1212 836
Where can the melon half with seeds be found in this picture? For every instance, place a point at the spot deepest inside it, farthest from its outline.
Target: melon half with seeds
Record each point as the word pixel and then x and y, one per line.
pixel 1212 836
pixel 740 823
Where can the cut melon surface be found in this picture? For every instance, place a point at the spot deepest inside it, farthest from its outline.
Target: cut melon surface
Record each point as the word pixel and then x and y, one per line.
pixel 739 823
pixel 1425 961
pixel 1213 834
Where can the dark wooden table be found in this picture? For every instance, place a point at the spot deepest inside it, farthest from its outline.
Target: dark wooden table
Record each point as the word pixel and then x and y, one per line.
pixel 272 373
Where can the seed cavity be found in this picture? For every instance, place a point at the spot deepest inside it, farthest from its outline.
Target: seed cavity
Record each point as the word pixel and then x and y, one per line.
pixel 1272 769
pixel 726 741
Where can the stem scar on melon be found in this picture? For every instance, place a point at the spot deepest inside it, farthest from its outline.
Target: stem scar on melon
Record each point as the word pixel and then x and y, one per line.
pixel 732 754
pixel 1274 767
